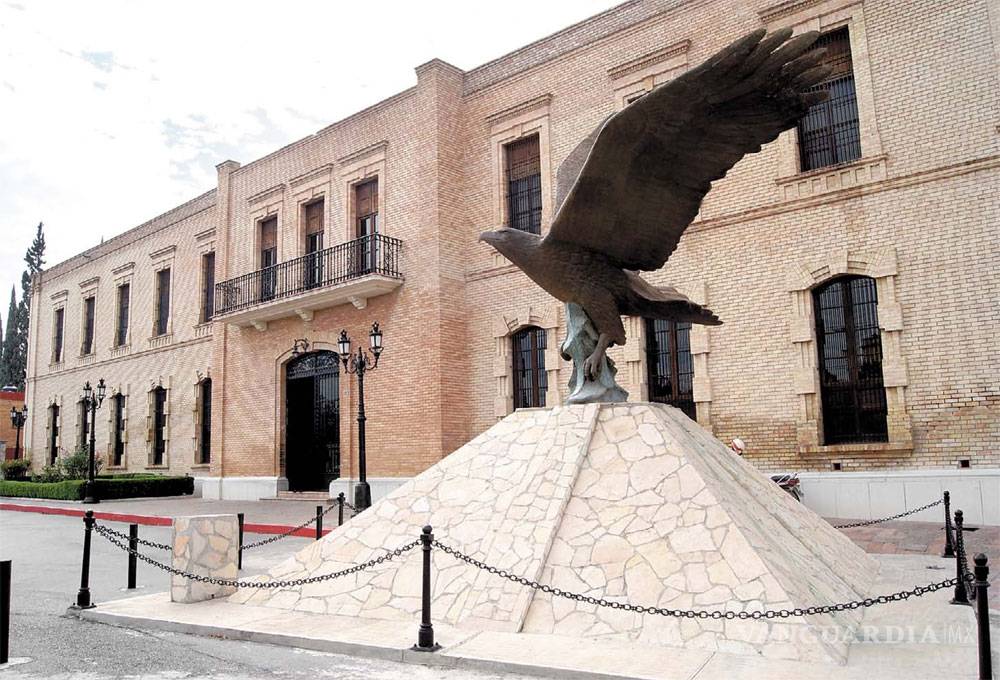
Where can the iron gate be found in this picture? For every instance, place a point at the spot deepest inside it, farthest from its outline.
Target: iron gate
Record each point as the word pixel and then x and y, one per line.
pixel 312 425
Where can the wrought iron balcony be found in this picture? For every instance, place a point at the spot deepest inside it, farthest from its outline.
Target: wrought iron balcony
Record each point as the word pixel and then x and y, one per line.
pixel 348 272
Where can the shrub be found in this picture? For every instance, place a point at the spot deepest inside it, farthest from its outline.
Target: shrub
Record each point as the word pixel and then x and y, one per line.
pixel 105 488
pixel 49 473
pixel 68 490
pixel 76 465
pixel 16 469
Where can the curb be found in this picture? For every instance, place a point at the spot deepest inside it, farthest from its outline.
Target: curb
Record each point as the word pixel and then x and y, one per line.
pixel 153 520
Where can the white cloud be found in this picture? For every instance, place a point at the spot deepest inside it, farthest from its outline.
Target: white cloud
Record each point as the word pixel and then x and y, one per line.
pixel 113 112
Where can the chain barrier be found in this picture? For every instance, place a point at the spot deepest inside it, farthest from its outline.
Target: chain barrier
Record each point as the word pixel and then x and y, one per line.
pixel 702 613
pixel 278 537
pixel 126 537
pixel 392 554
pixel 887 519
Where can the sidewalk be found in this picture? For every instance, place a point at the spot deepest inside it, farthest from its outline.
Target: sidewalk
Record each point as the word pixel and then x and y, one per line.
pixel 264 517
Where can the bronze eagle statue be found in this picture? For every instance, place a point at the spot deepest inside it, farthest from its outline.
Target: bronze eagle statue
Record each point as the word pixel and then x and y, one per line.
pixel 626 193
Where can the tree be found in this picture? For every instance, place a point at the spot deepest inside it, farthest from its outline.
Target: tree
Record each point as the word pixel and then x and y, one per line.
pixel 7 376
pixel 15 344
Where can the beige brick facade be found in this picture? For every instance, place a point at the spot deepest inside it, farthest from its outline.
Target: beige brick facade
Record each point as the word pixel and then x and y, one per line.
pixel 918 212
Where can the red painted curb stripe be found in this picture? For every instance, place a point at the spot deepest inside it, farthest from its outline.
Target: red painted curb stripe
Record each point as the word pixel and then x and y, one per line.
pixel 151 520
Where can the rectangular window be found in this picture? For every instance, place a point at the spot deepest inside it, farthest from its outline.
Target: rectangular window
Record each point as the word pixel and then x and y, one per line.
pixel 118 451
pixel 530 379
pixel 314 243
pixel 89 306
pixel 208 287
pixel 670 368
pixel 159 425
pixel 121 326
pixel 366 226
pixel 205 433
pixel 524 185
pixel 160 324
pixel 268 257
pixel 57 336
pixel 53 433
pixel 830 133
pixel 81 410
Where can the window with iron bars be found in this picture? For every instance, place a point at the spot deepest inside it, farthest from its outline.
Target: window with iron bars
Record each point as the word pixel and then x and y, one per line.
pixel 670 371
pixel 849 343
pixel 530 380
pixel 524 185
pixel 830 133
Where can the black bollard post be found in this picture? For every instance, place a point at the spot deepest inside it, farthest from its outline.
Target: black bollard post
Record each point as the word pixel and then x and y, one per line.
pixel 961 592
pixel 4 611
pixel 340 509
pixel 83 597
pixel 425 636
pixel 319 522
pixel 983 617
pixel 133 545
pixel 239 556
pixel 949 544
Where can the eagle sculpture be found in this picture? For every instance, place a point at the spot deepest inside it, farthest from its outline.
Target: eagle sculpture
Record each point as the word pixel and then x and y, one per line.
pixel 626 193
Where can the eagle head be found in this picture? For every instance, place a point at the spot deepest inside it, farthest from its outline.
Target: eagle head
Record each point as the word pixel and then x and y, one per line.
pixel 513 244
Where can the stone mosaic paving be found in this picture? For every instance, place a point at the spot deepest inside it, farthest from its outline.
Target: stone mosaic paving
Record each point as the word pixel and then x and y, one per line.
pixel 631 502
pixel 207 545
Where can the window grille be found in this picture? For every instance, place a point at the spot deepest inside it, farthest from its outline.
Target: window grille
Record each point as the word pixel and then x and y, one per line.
pixel 89 305
pixel 830 133
pixel 205 426
pixel 162 302
pixel 159 425
pixel 53 433
pixel 208 286
pixel 524 185
pixel 530 380
pixel 57 346
pixel 118 449
pixel 124 299
pixel 850 361
pixel 670 370
pixel 81 414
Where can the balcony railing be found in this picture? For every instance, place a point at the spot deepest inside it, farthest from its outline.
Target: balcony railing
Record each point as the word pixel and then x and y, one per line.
pixel 369 255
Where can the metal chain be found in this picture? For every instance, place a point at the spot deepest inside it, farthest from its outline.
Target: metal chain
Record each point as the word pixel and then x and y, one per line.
pixel 126 537
pixel 886 519
pixel 278 537
pixel 701 613
pixel 106 533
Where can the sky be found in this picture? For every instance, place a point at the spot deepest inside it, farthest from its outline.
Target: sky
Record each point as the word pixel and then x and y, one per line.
pixel 114 112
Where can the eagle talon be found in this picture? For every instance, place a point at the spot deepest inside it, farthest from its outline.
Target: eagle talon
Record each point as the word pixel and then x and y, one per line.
pixel 592 365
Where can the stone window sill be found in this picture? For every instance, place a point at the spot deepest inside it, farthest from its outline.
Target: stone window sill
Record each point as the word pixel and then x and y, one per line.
pixel 858 450
pixel 161 340
pixel 832 178
pixel 157 467
pixel 202 466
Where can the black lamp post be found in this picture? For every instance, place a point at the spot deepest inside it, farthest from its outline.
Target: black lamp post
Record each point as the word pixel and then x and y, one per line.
pixel 17 419
pixel 92 401
pixel 360 363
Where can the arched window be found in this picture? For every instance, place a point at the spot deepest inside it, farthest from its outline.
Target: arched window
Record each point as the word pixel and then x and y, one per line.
pixel 668 360
pixel 530 381
pixel 850 361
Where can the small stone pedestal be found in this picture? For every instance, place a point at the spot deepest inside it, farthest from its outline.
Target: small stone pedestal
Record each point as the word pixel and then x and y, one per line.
pixel 207 546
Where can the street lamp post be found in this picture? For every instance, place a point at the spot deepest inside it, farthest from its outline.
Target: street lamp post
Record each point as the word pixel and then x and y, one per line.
pixel 17 419
pixel 92 401
pixel 360 363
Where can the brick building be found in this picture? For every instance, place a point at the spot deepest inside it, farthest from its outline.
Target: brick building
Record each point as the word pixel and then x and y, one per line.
pixel 10 399
pixel 852 262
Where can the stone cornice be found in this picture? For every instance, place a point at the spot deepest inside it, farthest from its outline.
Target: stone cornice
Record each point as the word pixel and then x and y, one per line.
pixel 541 101
pixel 163 253
pixel 678 48
pixel 370 150
pixel 123 269
pixel 260 196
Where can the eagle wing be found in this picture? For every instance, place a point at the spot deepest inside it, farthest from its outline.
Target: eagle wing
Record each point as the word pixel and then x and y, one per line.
pixel 631 188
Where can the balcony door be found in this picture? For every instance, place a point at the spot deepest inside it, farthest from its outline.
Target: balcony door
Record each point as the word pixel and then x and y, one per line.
pixel 313 264
pixel 268 257
pixel 366 226
pixel 312 421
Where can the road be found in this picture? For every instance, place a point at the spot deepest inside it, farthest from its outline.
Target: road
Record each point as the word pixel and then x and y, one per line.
pixel 46 550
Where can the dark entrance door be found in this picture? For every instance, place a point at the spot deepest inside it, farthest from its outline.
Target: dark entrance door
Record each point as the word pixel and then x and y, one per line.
pixel 312 427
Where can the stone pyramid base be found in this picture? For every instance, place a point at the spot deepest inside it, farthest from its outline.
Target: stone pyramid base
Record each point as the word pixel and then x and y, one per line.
pixel 628 502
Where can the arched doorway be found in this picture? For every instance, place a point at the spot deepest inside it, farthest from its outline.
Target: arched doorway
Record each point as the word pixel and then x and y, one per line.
pixel 312 421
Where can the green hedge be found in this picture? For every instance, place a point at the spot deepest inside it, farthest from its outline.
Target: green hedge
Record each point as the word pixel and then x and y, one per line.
pixel 105 488
pixel 70 490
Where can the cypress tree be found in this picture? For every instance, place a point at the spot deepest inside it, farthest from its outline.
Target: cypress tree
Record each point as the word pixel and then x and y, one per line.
pixel 9 342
